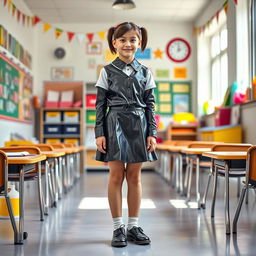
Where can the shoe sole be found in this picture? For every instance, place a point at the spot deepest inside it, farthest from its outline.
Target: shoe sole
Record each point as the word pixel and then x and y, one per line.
pixel 131 239
pixel 119 244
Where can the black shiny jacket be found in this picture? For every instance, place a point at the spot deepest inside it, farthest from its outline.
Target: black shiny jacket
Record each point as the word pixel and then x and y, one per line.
pixel 124 90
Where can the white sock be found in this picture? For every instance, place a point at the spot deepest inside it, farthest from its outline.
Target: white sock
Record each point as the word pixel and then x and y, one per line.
pixel 132 222
pixel 117 222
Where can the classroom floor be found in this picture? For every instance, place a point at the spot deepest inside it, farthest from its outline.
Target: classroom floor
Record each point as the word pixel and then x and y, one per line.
pixel 78 227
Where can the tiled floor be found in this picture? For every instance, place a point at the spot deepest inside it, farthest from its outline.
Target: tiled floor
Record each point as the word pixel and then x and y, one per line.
pixel 71 230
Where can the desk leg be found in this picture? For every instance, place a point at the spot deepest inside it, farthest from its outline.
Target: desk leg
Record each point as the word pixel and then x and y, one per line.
pixel 15 230
pixel 214 191
pixel 206 189
pixel 190 168
pixel 198 183
pixel 40 194
pixel 177 173
pixel 181 173
pixel 21 218
pixel 46 207
pixel 227 214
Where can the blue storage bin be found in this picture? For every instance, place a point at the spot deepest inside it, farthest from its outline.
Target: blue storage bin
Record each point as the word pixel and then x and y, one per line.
pixel 52 129
pixel 71 129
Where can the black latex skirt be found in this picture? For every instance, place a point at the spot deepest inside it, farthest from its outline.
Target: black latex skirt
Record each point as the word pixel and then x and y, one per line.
pixel 126 136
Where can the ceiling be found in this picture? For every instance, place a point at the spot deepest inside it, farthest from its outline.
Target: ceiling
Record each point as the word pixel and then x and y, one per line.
pixel 97 11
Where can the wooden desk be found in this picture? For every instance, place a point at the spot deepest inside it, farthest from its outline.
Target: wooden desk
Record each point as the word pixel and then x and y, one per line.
pixel 226 158
pixel 19 234
pixel 194 154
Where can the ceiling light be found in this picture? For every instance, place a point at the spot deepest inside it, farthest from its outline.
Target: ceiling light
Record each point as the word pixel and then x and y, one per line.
pixel 123 4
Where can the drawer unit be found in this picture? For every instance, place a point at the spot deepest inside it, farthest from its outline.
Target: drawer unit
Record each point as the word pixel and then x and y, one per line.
pixel 90 116
pixel 51 141
pixel 71 140
pixel 52 117
pixel 52 129
pixel 90 100
pixel 71 129
pixel 70 117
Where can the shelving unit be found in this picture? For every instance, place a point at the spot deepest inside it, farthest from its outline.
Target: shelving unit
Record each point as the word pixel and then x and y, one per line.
pixel 177 131
pixel 56 125
pixel 90 118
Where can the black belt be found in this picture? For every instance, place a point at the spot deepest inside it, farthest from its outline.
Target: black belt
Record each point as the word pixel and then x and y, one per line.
pixel 125 108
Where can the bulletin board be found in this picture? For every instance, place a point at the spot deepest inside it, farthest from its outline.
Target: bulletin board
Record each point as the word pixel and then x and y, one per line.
pixel 15 92
pixel 172 97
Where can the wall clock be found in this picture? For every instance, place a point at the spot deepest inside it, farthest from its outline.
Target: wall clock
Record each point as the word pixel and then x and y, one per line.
pixel 178 50
pixel 59 53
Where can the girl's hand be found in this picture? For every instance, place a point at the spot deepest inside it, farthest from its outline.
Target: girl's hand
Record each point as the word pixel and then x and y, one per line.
pixel 101 144
pixel 151 143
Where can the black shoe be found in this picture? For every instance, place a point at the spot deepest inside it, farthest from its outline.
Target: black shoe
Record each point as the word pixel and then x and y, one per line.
pixel 136 235
pixel 119 237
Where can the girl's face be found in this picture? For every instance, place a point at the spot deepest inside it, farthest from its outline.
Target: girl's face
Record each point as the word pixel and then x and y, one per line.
pixel 127 45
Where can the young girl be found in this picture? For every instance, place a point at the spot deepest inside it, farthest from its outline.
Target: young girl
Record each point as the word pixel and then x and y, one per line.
pixel 126 133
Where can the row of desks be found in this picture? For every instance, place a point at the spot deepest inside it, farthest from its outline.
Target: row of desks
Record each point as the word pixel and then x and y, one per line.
pixel 61 159
pixel 195 154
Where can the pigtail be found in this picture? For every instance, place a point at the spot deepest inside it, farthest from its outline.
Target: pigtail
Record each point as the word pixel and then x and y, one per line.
pixel 144 38
pixel 110 38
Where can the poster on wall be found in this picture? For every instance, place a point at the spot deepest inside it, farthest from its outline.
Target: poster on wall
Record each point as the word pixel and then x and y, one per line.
pixel 61 73
pixel 180 72
pixel 146 54
pixel 94 48
pixel 163 73
pixel 180 103
pixel 16 89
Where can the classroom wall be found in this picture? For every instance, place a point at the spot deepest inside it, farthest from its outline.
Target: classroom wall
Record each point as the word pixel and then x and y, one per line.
pixel 26 36
pixel 159 35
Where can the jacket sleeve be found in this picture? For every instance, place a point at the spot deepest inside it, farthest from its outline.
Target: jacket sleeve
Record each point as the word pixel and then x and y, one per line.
pixel 101 107
pixel 149 100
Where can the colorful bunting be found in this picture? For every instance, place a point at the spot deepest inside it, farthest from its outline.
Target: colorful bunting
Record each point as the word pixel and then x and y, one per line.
pixel 36 20
pixel 58 32
pixel 9 5
pixel 225 6
pixel 101 34
pixel 90 36
pixel 47 27
pixel 13 9
pixel 70 36
pixel 18 15
pixel 201 29
pixel 80 37
pixel 235 1
pixel 33 20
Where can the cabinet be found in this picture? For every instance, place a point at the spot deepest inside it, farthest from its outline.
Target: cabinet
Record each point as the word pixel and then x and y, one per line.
pixel 226 133
pixel 90 118
pixel 62 125
pixel 178 131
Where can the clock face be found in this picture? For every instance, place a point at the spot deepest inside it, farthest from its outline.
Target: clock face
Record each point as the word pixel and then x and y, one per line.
pixel 178 50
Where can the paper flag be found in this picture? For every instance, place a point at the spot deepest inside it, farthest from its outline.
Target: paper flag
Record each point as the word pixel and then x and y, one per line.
pixel 23 18
pixel 101 34
pixel 36 19
pixel 90 36
pixel 13 9
pixel 9 5
pixel 70 36
pixel 58 32
pixel 18 15
pixel 80 37
pixel 5 2
pixel 47 27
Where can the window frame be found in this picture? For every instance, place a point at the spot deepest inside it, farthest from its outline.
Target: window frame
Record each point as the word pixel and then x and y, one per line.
pixel 216 57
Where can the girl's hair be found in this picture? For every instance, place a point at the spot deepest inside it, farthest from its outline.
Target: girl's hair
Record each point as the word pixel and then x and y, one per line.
pixel 121 29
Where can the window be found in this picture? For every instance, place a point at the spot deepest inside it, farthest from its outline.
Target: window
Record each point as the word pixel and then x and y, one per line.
pixel 219 66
